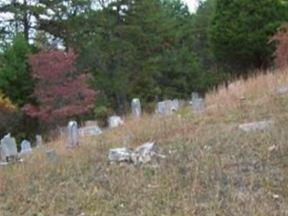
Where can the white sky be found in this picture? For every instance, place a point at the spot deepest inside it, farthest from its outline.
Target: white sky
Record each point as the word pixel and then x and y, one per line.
pixel 192 4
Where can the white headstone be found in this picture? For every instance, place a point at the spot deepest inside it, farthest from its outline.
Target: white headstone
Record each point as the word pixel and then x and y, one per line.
pixel 25 147
pixel 197 102
pixel 115 121
pixel 167 107
pixel 72 134
pixel 8 147
pixel 39 140
pixel 136 107
pixel 89 131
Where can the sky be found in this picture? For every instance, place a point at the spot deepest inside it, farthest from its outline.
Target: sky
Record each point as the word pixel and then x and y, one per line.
pixel 192 4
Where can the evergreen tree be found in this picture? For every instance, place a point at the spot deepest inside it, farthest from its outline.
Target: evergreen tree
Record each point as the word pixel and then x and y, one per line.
pixel 15 81
pixel 240 32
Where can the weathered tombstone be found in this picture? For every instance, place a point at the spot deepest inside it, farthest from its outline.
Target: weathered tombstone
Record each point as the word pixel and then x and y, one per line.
pixel 115 121
pixel 72 134
pixel 8 148
pixel 136 107
pixel 39 140
pixel 119 155
pixel 89 131
pixel 197 102
pixel 52 155
pixel 25 147
pixel 167 107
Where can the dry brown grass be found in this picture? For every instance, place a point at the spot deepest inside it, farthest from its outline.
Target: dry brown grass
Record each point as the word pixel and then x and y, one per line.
pixel 211 167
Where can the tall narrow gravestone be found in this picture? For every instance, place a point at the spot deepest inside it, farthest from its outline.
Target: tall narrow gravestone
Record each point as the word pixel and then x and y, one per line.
pixel 25 147
pixel 197 102
pixel 39 140
pixel 72 134
pixel 8 148
pixel 136 107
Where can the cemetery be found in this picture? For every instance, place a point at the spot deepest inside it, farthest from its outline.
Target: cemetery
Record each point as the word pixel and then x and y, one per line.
pixel 143 108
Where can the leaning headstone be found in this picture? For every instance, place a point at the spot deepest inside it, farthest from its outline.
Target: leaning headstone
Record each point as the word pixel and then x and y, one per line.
pixel 8 148
pixel 25 147
pixel 39 141
pixel 72 134
pixel 89 131
pixel 255 126
pixel 136 107
pixel 115 121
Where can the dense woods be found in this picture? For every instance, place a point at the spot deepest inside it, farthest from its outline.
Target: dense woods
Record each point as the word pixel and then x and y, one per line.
pixel 152 49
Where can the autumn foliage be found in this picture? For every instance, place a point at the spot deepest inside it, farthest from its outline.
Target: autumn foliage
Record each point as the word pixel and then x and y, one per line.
pixel 60 90
pixel 281 53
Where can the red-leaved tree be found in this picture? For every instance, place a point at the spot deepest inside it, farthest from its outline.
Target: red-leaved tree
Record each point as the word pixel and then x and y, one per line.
pixel 281 53
pixel 60 90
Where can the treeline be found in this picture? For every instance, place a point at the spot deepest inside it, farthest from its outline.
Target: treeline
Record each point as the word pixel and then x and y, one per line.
pixel 152 49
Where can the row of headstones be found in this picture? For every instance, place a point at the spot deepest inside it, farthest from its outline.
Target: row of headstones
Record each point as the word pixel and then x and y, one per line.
pixel 163 108
pixel 8 147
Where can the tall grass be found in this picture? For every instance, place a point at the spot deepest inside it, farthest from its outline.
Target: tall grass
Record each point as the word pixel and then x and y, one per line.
pixel 211 168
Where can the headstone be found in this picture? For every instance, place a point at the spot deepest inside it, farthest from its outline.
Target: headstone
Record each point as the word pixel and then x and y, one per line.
pixel 136 107
pixel 115 121
pixel 8 148
pixel 254 126
pixel 51 155
pixel 72 134
pixel 197 102
pixel 167 107
pixel 25 147
pixel 89 131
pixel 39 141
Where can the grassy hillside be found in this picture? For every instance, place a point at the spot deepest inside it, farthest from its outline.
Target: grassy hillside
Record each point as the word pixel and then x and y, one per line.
pixel 211 168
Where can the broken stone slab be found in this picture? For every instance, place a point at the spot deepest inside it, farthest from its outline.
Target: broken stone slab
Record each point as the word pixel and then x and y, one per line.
pixel 89 131
pixel 254 126
pixel 115 121
pixel 120 155
pixel 144 153
pixel 141 155
pixel 25 148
